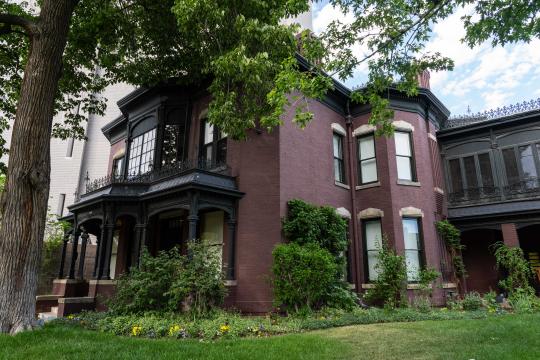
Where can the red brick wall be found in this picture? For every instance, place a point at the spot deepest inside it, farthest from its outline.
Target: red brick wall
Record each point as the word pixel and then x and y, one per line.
pixel 510 235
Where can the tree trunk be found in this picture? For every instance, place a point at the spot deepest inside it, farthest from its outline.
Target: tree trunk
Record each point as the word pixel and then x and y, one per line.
pixel 24 205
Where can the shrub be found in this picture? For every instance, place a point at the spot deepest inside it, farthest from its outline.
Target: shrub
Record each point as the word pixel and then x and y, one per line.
pixel 199 287
pixel 145 288
pixel 172 282
pixel 472 301
pixel 51 253
pixel 426 280
pixel 302 275
pixel 517 268
pixel 523 301
pixel 316 228
pixel 310 224
pixel 391 284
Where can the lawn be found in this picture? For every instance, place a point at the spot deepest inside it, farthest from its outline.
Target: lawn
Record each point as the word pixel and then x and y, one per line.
pixel 505 337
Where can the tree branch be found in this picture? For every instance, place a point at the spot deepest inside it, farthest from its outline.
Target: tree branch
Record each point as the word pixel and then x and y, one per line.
pixel 29 26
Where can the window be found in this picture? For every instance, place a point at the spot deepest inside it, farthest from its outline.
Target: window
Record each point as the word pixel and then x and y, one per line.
pixel 174 140
pixel 69 151
pixel 214 144
pixel 404 156
pixel 61 202
pixel 411 235
pixel 510 165
pixel 526 159
pixel 470 172
pixel 455 175
pixel 117 166
pixel 367 160
pixel 141 153
pixel 372 244
pixel 486 172
pixel 339 166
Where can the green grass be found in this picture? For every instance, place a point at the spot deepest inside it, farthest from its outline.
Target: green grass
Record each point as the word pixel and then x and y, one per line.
pixel 505 337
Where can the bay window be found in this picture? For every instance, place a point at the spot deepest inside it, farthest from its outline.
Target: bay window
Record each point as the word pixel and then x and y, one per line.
pixel 372 245
pixel 404 156
pixel 141 153
pixel 339 166
pixel 367 165
pixel 214 144
pixel 413 247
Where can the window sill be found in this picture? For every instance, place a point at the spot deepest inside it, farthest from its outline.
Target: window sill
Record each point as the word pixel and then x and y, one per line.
pixel 408 183
pixel 368 286
pixel 367 186
pixel 229 283
pixel 341 185
pixel 449 286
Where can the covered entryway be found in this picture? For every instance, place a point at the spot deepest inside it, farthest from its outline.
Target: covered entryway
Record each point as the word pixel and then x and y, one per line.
pixel 529 241
pixel 479 260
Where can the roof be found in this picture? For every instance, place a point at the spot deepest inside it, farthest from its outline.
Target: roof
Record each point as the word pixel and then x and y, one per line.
pixel 495 115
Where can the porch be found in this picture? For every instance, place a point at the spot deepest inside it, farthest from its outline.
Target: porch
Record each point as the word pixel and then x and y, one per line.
pixel 159 211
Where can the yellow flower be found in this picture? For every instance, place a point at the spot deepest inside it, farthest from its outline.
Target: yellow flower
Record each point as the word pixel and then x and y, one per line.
pixel 136 330
pixel 174 329
pixel 71 317
pixel 224 328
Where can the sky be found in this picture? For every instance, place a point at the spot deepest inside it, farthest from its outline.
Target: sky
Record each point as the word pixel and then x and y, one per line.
pixel 483 78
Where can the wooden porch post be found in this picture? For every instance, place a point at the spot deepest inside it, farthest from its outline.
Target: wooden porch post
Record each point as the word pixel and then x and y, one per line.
pixel 108 250
pixel 98 251
pixel 74 249
pixel 63 258
pixel 82 258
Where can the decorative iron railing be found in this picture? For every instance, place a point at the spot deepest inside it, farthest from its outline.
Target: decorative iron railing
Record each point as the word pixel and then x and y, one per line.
pixel 525 106
pixel 522 189
pixel 163 172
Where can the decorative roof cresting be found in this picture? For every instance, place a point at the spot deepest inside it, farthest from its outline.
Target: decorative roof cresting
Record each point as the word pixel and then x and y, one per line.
pixel 466 119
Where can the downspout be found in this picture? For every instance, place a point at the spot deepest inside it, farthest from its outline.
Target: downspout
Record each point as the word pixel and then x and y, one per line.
pixel 354 243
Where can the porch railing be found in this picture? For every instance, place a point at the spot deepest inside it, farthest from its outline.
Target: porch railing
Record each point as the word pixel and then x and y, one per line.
pixel 522 189
pixel 170 170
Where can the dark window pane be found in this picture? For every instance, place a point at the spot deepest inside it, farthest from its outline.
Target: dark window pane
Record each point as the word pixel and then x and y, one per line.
pixel 339 173
pixel 117 166
pixel 510 165
pixel 526 159
pixel 221 156
pixel 169 150
pixel 455 175
pixel 470 172
pixel 141 154
pixel 485 170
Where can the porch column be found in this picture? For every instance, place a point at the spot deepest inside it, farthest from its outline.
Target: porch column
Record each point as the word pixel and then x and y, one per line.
pixel 140 232
pixel 108 250
pixel 98 252
pixel 74 253
pixel 193 219
pixel 63 258
pixel 231 248
pixel 510 235
pixel 82 258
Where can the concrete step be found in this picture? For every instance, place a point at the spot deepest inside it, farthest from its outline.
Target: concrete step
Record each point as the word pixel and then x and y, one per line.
pixel 54 310
pixel 47 316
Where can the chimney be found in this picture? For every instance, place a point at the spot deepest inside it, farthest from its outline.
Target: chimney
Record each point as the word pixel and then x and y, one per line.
pixel 423 80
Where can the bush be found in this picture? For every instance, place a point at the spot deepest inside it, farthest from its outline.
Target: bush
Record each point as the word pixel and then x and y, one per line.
pixel 523 301
pixel 309 224
pixel 517 268
pixel 172 282
pixel 391 284
pixel 51 253
pixel 452 238
pixel 314 228
pixel 199 287
pixel 472 301
pixel 302 275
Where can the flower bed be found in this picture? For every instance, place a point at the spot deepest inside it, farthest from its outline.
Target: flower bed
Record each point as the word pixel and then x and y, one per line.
pixel 233 325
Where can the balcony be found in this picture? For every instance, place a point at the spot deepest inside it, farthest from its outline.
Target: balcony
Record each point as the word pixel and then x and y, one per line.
pixel 522 190
pixel 196 172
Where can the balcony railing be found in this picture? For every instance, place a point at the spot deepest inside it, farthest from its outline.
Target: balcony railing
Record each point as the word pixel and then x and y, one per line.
pixel 170 170
pixel 528 188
